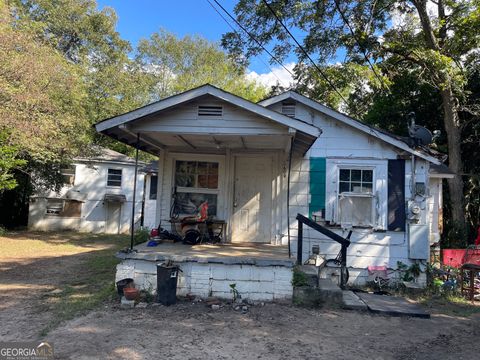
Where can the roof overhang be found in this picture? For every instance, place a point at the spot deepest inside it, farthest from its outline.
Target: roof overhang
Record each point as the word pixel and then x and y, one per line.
pixel 123 127
pixel 291 95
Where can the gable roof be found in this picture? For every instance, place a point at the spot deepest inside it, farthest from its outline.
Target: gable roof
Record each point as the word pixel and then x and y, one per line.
pixel 213 91
pixel 356 124
pixel 101 154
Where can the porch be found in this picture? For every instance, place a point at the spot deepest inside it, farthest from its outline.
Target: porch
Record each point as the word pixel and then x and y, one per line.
pixel 260 272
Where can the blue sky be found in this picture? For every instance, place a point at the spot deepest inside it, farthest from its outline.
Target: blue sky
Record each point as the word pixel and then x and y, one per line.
pixel 140 18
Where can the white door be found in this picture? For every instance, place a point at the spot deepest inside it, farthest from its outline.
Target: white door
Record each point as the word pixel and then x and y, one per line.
pixel 252 207
pixel 113 218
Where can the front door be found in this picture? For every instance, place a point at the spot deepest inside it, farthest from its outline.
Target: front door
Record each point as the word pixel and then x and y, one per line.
pixel 252 207
pixel 113 217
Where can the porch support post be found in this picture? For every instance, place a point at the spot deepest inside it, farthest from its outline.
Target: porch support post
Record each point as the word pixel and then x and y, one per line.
pixel 300 243
pixel 132 226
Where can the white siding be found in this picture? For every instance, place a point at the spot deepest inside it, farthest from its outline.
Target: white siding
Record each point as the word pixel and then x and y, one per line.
pixel 340 143
pixel 91 184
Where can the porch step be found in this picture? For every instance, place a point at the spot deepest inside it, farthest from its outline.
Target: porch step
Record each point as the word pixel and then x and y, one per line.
pixel 330 292
pixel 352 302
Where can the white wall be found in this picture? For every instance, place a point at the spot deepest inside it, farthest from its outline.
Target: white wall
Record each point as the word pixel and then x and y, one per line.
pixel 150 206
pixel 341 143
pixel 257 283
pixel 91 185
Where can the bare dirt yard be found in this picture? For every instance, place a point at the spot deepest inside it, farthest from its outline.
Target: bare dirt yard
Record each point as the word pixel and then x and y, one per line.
pixel 59 287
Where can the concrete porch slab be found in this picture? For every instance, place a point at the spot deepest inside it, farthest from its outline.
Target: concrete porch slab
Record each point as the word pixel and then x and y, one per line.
pixel 391 305
pixel 228 254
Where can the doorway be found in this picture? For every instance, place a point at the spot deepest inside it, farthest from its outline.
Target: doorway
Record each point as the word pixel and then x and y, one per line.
pixel 252 207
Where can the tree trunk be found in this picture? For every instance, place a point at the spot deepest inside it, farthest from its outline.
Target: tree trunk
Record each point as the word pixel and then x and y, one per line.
pixel 452 128
pixel 450 113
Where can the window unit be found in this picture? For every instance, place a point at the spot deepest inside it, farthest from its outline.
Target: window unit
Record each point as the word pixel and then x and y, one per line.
pixel 114 178
pixel 195 183
pixel 356 197
pixel 357 193
pixel 64 208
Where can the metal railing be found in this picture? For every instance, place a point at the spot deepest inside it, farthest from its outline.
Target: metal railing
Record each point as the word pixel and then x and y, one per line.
pixel 345 243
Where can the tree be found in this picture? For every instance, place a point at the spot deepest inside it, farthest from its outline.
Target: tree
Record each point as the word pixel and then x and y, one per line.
pixel 88 40
pixel 40 101
pixel 176 65
pixel 432 36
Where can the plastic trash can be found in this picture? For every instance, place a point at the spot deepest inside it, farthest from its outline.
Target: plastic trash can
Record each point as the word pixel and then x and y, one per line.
pixel 167 278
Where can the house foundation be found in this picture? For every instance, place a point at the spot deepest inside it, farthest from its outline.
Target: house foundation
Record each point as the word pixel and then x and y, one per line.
pixel 257 273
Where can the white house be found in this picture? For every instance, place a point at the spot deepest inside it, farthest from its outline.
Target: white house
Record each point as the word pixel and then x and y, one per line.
pixel 259 165
pixel 96 197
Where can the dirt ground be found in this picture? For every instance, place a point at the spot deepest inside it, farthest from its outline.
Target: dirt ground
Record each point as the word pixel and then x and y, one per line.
pixel 191 330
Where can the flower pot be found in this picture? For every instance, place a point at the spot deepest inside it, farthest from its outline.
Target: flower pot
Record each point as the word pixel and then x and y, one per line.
pixel 131 293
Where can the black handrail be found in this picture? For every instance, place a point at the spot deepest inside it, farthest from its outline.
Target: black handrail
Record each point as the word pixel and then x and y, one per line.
pixel 345 243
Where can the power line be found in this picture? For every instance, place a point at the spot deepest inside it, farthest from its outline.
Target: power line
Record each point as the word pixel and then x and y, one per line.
pixel 236 32
pixel 325 77
pixel 345 20
pixel 253 37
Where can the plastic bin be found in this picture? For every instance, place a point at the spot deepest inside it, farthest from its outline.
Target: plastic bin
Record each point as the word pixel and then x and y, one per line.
pixel 167 278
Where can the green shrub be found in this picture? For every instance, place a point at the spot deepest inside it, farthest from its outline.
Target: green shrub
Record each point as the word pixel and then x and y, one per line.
pixel 299 278
pixel 141 235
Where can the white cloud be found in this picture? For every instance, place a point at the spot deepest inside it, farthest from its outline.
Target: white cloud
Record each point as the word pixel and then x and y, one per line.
pixel 277 75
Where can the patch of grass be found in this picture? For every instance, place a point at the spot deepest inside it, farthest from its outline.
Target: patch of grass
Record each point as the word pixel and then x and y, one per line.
pixel 299 278
pixel 450 304
pixel 93 286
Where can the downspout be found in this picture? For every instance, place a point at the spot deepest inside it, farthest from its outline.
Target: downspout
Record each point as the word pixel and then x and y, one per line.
pixel 132 230
pixel 288 194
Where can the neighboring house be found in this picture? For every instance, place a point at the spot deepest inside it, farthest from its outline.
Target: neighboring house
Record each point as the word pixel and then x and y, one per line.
pixel 96 197
pixel 244 158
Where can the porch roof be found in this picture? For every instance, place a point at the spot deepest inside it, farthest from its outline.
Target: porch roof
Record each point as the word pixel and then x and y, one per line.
pixel 281 129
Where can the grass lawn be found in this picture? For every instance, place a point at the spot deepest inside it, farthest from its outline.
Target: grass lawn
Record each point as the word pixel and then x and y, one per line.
pixel 87 273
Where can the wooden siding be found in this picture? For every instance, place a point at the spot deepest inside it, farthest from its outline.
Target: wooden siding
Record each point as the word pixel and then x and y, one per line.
pixel 184 119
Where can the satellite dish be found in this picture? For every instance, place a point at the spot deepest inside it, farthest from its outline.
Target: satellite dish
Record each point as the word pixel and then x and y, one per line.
pixel 419 134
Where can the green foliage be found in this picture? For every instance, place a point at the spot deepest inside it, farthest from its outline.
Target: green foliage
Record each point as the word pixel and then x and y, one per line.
pixel 456 236
pixel 299 278
pixel 234 291
pixel 180 64
pixel 141 235
pixel 398 57
pixel 408 273
pixel 9 161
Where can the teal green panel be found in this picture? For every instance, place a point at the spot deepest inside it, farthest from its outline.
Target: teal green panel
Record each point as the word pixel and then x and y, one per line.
pixel 317 184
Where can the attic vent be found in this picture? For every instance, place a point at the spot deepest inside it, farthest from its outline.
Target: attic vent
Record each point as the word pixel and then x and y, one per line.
pixel 288 109
pixel 206 110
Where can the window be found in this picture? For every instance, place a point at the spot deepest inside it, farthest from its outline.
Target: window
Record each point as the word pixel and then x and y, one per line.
pixel 355 197
pixel 153 187
pixel 195 182
pixel 356 192
pixel 64 208
pixel 114 177
pixel 68 175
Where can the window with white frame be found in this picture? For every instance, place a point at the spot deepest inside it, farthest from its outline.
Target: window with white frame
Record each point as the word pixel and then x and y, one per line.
pixel 357 193
pixel 356 198
pixel 114 177
pixel 196 182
